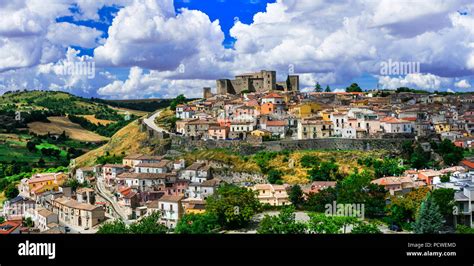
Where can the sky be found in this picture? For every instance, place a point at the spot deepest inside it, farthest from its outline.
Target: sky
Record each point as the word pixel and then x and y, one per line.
pixel 127 49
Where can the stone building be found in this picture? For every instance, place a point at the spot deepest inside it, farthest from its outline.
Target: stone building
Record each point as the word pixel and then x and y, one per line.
pixel 257 82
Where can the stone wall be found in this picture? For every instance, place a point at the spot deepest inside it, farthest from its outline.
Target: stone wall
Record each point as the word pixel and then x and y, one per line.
pixel 245 148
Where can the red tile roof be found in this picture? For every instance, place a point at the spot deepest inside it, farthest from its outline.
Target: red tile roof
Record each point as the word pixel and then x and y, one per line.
pixel 8 227
pixel 468 163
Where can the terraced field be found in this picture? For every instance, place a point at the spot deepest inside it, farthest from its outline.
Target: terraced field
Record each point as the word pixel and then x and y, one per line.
pixel 59 124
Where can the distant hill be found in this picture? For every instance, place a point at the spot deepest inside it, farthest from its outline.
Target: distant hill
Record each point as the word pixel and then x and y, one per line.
pixel 128 140
pixel 22 109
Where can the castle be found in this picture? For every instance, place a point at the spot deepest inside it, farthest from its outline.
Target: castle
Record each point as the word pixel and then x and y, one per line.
pixel 257 82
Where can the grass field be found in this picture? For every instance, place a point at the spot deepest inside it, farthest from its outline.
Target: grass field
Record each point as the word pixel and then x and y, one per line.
pixel 96 121
pixel 129 111
pixel 59 124
pixel 128 140
pixel 2 198
pixel 290 166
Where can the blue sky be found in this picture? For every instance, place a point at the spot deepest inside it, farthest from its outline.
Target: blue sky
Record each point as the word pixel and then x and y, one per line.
pixel 162 48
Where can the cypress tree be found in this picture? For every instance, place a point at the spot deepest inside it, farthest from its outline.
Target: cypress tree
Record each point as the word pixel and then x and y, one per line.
pixel 429 219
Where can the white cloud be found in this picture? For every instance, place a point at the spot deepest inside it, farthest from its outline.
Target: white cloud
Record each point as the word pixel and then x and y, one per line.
pixel 150 35
pixel 415 80
pixel 73 74
pixel 67 34
pixel 153 84
pixel 463 84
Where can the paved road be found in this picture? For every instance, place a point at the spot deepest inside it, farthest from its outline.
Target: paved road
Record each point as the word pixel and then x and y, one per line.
pixel 108 197
pixel 150 122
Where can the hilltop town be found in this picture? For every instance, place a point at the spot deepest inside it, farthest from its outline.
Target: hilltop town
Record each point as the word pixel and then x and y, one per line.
pixel 329 140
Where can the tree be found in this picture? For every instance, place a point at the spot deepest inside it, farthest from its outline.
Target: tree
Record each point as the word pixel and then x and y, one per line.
pixel 284 223
pixel 205 223
pixel 444 198
pixel 274 176
pixel 41 162
pixel 316 202
pixel 180 99
pixel 323 224
pixel 464 229
pixel 419 158
pixel 296 195
pixel 387 167
pixel 451 154
pixel 365 228
pixel 148 225
pixel 2 220
pixel 308 161
pixel 234 206
pixel 327 89
pixel 402 210
pixel 11 191
pixel 356 188
pixel 429 219
pixel 325 171
pixel 72 183
pixel 113 227
pixel 31 146
pixel 354 87
pixel 27 222
pixel 317 87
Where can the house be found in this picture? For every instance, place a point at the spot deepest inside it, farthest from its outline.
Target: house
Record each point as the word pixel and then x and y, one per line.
pixel 274 195
pixel 273 98
pixel 17 207
pixel 261 133
pixel 469 164
pixel 154 168
pixel 85 195
pixel 276 127
pixel 339 121
pixel 429 176
pixel 463 201
pixel 197 172
pixel 171 209
pixel 83 173
pixel 272 109
pixel 44 218
pixel 134 159
pixel 238 126
pixel 202 190
pixel 145 181
pixel 177 187
pixel 80 215
pixel 397 184
pixel 184 111
pixel 10 227
pixel 395 125
pixel 314 128
pixel 305 109
pixel 194 206
pixel 317 186
pixel 111 171
pixel 218 132
pixel 40 183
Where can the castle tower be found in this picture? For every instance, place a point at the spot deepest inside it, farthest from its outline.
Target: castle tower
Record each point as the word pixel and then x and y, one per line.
pixel 206 91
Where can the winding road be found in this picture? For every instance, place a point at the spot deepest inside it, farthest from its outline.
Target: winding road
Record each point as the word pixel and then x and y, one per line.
pixel 150 122
pixel 108 197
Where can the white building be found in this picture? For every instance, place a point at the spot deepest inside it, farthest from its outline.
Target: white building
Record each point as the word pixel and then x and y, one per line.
pixel 171 210
pixel 395 125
